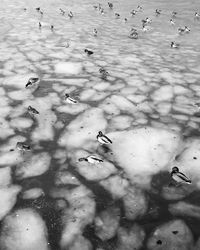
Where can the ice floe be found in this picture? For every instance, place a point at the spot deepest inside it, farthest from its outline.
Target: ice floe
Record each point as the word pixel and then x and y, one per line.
pixel 185 209
pixel 68 68
pixel 33 193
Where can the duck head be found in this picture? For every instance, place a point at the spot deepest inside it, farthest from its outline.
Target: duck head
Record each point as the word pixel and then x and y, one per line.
pixel 82 159
pixel 100 133
pixel 175 170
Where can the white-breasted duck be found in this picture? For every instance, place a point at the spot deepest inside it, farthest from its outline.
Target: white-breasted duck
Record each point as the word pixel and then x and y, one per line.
pixel 187 30
pixel 70 15
pixel 133 12
pixel 197 15
pixel 38 9
pixel 95 32
pixel 158 12
pixel 33 81
pixel 125 20
pixel 175 45
pixel 110 5
pixel 117 15
pixel 139 8
pixel 89 52
pixel 148 20
pixel 103 139
pixel 32 111
pixel 62 12
pixel 22 146
pixel 179 177
pixel 91 159
pixel 172 22
pixel 174 14
pixel 70 100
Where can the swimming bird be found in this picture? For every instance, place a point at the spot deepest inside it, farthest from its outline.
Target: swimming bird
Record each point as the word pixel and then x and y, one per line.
pixel 32 82
pixel 41 13
pixel 181 31
pixel 62 12
pixel 117 15
pixel 103 73
pixel 175 45
pixel 70 15
pixel 110 5
pixel 40 25
pixel 103 139
pixel 172 22
pixel 88 52
pixel 125 20
pixel 148 20
pixel 158 12
pixel 174 13
pixel 91 159
pixel 179 177
pixel 52 27
pixel 32 111
pixel 187 30
pixel 133 12
pixel 197 15
pixel 95 32
pixel 70 100
pixel 102 11
pixel 133 35
pixel 38 9
pixel 22 146
pixel 95 7
pixel 139 8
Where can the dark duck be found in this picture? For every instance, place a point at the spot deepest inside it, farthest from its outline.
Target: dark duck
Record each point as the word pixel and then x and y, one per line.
pixel 88 52
pixel 179 177
pixel 103 139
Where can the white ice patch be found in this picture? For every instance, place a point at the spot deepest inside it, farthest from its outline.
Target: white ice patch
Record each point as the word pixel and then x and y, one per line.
pixel 81 243
pixel 5 129
pixel 8 199
pixel 72 109
pixel 19 95
pixel 21 123
pixel 68 68
pixel 37 165
pixel 86 95
pixel 24 230
pixel 121 122
pixel 82 131
pixel 139 152
pixel 10 158
pixel 33 193
pixel 164 93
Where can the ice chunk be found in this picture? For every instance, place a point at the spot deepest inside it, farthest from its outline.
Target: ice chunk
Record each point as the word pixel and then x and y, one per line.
pixel 116 185
pixel 121 122
pixel 73 109
pixel 37 165
pixel 129 239
pixel 175 192
pixel 106 223
pixel 10 158
pixel 81 243
pixel 5 176
pixel 122 103
pixel 185 209
pixel 68 68
pixel 138 152
pixel 172 235
pixel 8 199
pixel 80 213
pixel 135 203
pixel 81 131
pixel 24 230
pixel 21 123
pixel 33 193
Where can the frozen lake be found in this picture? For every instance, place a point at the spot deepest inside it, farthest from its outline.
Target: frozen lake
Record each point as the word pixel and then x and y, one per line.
pixel 147 105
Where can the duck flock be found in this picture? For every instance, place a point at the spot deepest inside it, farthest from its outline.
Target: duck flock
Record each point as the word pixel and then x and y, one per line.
pixel 89 185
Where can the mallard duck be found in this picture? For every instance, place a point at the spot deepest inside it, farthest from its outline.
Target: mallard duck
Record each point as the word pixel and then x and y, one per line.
pixel 88 52
pixel 95 32
pixel 187 30
pixel 125 20
pixel 22 146
pixel 172 22
pixel 117 15
pixel 70 100
pixel 174 13
pixel 175 45
pixel 103 139
pixel 133 35
pixel 91 159
pixel 110 5
pixel 32 111
pixel 197 15
pixel 70 15
pixel 32 82
pixel 158 12
pixel 133 12
pixel 179 177
pixel 38 9
pixel 40 25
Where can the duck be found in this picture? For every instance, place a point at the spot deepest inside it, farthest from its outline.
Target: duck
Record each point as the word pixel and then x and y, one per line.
pixel 88 52
pixel 148 20
pixel 22 146
pixel 145 28
pixel 32 110
pixel 197 15
pixel 125 20
pixel 175 45
pixel 70 15
pixel 110 5
pixel 172 22
pixel 62 12
pixel 95 32
pixel 133 12
pixel 139 8
pixel 133 35
pixel 103 73
pixel 174 13
pixel 117 15
pixel 103 139
pixel 158 12
pixel 52 27
pixel 102 11
pixel 38 9
pixel 179 177
pixel 91 159
pixel 95 7
pixel 187 30
pixel 70 100
pixel 40 25
pixel 41 13
pixel 32 81
pixel 181 31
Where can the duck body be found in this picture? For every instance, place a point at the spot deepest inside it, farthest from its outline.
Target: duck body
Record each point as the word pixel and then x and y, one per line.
pixel 91 159
pixel 70 100
pixel 175 45
pixel 38 9
pixel 88 52
pixel 110 5
pixel 117 15
pixel 32 110
pixel 22 146
pixel 172 22
pixel 133 12
pixel 95 32
pixel 103 139
pixel 158 12
pixel 179 177
pixel 32 82
pixel 70 15
pixel 133 35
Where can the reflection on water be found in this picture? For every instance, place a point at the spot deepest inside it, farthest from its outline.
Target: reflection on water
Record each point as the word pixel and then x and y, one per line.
pixel 146 100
